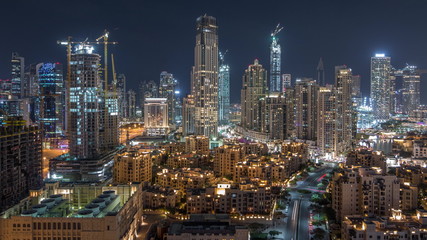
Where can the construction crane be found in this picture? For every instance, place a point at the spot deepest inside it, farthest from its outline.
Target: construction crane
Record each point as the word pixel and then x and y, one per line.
pixel 222 56
pixel 113 69
pixel 104 38
pixel 276 31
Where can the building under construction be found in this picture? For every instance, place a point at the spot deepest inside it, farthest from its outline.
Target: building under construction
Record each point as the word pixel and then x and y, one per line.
pixel 92 112
pixel 20 161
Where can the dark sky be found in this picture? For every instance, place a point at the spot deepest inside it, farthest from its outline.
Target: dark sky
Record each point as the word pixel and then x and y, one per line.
pixel 160 35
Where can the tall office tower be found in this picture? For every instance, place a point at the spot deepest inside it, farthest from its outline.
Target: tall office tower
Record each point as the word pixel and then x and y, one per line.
pixel 305 108
pixel 167 90
pixel 85 110
pixel 17 75
pixel 345 124
pixel 326 123
pixel 254 88
pixel 131 104
pixel 188 111
pixel 381 87
pixel 275 62
pixel 20 161
pixel 321 73
pixel 178 107
pixel 121 95
pixel 286 81
pixel 109 126
pixel 273 116
pixel 204 80
pixel 411 90
pixel 156 120
pixel 224 91
pixel 289 95
pixel 30 81
pixel 52 102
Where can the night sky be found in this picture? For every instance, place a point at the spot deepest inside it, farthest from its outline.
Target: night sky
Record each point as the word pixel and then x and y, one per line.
pixel 160 35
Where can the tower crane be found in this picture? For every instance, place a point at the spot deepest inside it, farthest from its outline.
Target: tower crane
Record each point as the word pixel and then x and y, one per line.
pixel 276 31
pixel 104 39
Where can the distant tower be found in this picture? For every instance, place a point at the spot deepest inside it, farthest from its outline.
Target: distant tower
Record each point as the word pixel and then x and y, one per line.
pixel 411 90
pixel 254 88
pixel 381 87
pixel 321 73
pixel 224 90
pixel 204 82
pixel 52 101
pixel 17 75
pixel 167 90
pixel 305 108
pixel 275 62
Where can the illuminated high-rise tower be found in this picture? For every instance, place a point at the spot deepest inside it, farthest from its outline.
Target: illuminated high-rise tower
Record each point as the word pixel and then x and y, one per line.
pixel 224 91
pixel 275 61
pixel 17 75
pixel 254 88
pixel 411 90
pixel 345 124
pixel 381 87
pixel 204 82
pixel 167 90
pixel 85 109
pixel 52 101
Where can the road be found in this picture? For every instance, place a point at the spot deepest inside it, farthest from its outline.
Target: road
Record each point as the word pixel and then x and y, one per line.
pixel 297 226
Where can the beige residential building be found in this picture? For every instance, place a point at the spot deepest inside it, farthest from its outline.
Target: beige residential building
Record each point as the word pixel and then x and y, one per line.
pixel 366 158
pixel 226 158
pixel 185 178
pixel 397 226
pixel 199 144
pixel 154 197
pixel 364 191
pixel 230 199
pixel 133 166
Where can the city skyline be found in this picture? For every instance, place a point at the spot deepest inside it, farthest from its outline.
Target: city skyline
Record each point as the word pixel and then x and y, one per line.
pixel 361 40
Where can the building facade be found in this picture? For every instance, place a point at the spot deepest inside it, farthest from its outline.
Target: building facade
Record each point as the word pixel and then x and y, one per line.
pixel 381 86
pixel 204 81
pixel 254 88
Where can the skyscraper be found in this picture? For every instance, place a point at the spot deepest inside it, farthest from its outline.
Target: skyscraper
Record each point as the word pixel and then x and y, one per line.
pixel 85 110
pixel 411 90
pixel 131 104
pixel 345 125
pixel 254 88
pixel 188 108
pixel 204 82
pixel 147 90
pixel 381 87
pixel 167 90
pixel 326 115
pixel 305 108
pixel 92 121
pixel 275 62
pixel 224 91
pixel 321 73
pixel 17 74
pixel 52 102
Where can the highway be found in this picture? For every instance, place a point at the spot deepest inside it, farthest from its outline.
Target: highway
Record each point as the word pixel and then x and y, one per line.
pixel 297 226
